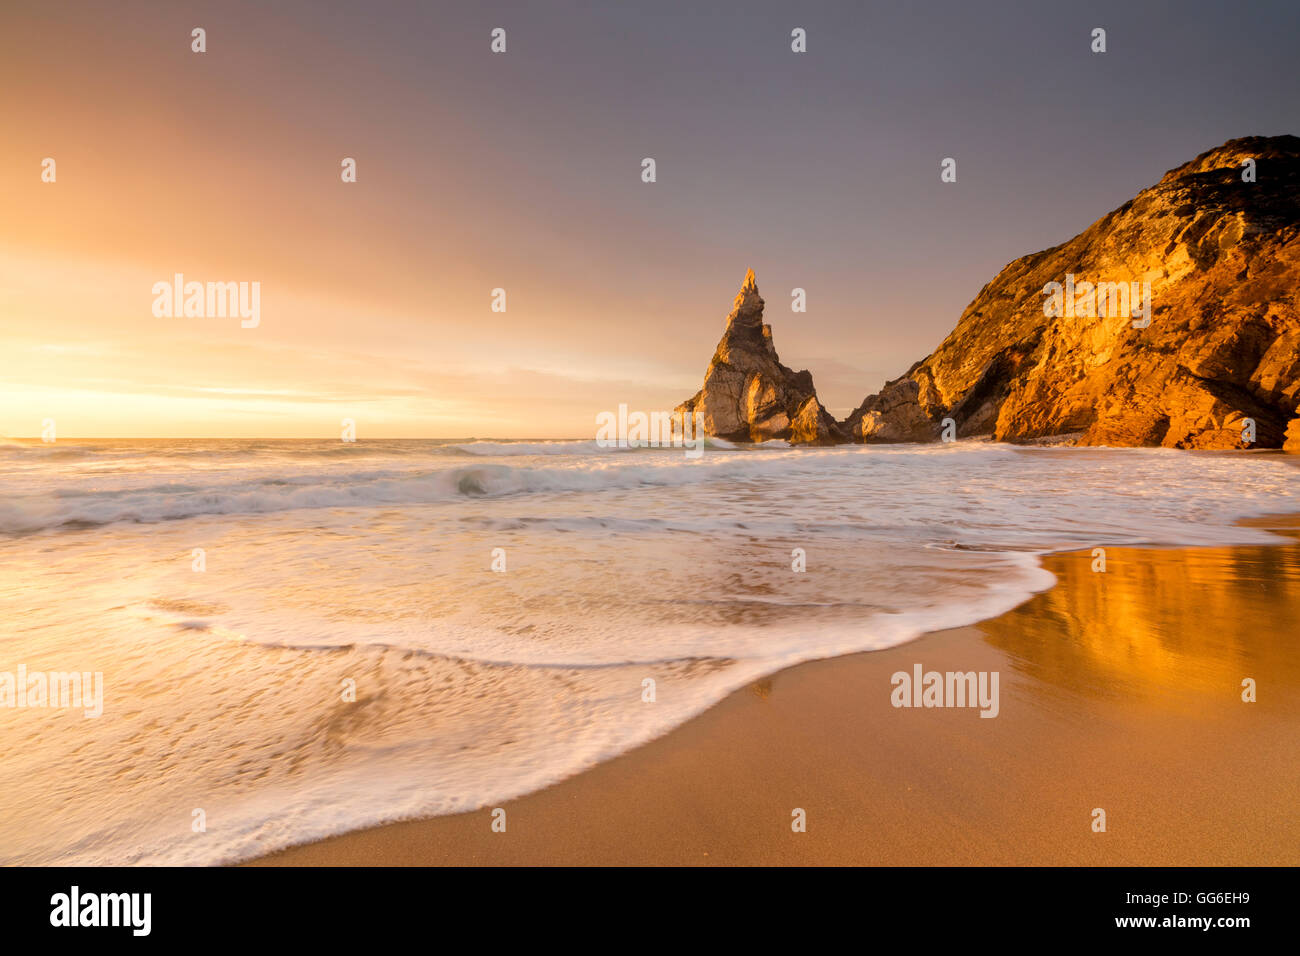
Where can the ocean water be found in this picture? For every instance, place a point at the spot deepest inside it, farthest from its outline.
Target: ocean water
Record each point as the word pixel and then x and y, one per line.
pixel 328 565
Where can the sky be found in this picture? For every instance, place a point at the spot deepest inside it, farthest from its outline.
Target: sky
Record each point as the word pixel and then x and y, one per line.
pixel 522 171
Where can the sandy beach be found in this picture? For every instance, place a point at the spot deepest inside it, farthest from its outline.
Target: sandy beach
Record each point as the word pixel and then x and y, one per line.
pixel 1119 690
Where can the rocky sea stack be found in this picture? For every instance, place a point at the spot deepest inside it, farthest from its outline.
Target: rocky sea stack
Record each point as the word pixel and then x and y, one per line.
pixel 748 395
pixel 1175 323
pixel 1218 241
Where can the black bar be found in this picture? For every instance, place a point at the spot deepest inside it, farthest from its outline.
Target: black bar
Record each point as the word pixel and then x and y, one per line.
pixel 327 906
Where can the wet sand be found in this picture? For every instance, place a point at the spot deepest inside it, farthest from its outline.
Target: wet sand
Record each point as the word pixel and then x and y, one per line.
pixel 1119 690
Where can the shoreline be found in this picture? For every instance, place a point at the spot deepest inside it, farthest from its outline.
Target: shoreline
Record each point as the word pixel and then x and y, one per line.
pixel 1119 691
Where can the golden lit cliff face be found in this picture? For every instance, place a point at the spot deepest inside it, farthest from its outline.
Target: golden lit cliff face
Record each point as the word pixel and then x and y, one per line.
pixel 1163 624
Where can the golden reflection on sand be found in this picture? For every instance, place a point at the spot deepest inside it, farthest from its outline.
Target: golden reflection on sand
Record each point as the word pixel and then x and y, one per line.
pixel 1169 624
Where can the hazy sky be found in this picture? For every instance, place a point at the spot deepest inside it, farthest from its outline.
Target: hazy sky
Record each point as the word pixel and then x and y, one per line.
pixel 522 171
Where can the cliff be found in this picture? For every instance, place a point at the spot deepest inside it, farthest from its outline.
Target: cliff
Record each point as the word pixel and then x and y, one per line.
pixel 1222 259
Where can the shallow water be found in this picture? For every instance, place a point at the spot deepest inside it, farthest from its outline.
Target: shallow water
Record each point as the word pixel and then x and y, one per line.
pixel 371 562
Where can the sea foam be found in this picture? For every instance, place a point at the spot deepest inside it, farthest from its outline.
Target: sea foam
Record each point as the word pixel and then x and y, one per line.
pixel 374 564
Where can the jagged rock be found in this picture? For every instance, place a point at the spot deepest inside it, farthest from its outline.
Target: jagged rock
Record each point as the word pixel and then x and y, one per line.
pixel 1222 257
pixel 748 395
pixel 893 415
pixel 1292 443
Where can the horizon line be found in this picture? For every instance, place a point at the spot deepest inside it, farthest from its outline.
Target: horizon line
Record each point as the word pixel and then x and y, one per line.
pixel 355 441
